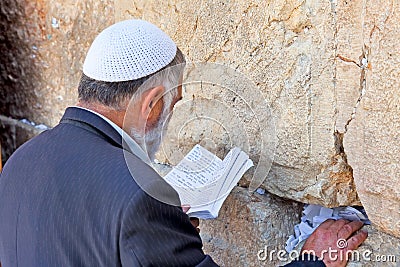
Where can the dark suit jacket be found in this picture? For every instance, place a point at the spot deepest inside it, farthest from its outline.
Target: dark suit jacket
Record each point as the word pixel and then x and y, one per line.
pixel 67 198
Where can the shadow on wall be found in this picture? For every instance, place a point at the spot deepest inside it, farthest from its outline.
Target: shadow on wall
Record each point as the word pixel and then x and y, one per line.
pixel 17 73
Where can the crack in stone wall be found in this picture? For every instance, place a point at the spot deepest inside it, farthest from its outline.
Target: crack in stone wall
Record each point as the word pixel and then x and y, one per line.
pixel 363 65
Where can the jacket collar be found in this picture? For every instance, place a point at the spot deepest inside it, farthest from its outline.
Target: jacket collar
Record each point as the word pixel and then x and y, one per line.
pixel 96 122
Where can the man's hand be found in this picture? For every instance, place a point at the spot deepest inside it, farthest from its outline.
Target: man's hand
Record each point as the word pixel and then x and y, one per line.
pixel 333 240
pixel 195 221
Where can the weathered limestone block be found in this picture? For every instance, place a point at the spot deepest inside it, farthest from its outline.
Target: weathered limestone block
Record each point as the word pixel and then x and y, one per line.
pixel 288 49
pixel 372 139
pixel 349 54
pixel 251 229
pixel 379 249
pixel 17 68
pixel 71 27
pixel 46 42
pixel 248 224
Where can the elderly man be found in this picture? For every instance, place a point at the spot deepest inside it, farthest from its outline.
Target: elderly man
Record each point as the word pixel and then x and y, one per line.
pixel 83 193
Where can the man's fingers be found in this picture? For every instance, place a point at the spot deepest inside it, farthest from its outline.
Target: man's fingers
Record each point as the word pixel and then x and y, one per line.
pixel 349 228
pixel 337 225
pixel 333 225
pixel 355 241
pixel 195 221
pixel 326 224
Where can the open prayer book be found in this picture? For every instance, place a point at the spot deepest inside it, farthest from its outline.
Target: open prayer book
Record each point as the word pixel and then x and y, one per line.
pixel 204 181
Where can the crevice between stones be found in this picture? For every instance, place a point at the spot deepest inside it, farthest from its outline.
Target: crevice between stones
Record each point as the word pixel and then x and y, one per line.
pixel 363 65
pixel 14 133
pixel 339 136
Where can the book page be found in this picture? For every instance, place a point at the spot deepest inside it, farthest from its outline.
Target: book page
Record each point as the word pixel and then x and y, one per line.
pixel 236 166
pixel 194 177
pixel 224 172
pixel 203 181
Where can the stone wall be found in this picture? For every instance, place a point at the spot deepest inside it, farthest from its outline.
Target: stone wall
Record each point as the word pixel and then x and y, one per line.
pixel 372 140
pixel 249 228
pixel 313 62
pixel 44 46
pixel 289 50
pixel 326 71
pixel 260 222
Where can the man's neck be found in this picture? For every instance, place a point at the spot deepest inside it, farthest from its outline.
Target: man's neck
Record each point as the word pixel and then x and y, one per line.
pixel 116 116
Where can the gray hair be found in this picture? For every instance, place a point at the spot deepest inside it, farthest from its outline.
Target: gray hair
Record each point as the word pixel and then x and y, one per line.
pixel 114 94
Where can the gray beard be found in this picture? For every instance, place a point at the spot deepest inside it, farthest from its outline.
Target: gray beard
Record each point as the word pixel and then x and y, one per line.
pixel 151 141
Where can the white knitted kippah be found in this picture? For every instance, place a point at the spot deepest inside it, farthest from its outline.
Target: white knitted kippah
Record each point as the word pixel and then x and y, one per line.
pixel 128 50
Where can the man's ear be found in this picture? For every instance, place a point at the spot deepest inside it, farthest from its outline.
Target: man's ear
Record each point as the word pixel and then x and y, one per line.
pixel 151 102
